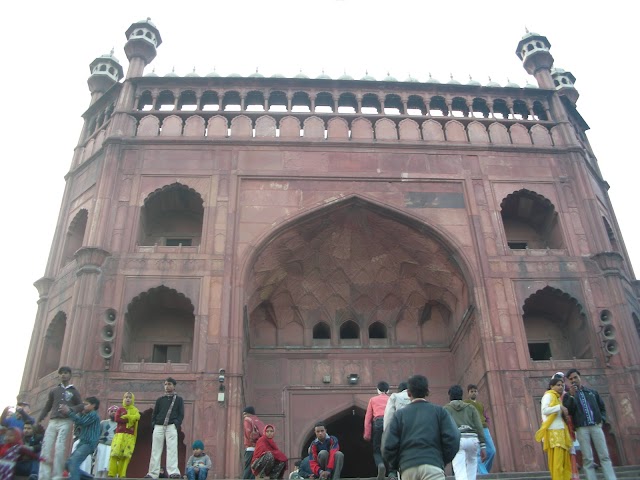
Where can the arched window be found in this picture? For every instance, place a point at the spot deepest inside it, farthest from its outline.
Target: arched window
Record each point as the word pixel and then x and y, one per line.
pixel 377 330
pixel 172 216
pixel 52 346
pixel 75 236
pixel 159 326
pixel 321 331
pixel 530 221
pixel 349 330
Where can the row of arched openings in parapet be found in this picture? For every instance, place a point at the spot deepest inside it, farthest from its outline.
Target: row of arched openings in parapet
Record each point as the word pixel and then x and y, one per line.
pixel 159 324
pixel 325 102
pixel 173 216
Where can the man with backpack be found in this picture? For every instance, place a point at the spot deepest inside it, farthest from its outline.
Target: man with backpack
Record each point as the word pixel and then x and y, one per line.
pixel 253 428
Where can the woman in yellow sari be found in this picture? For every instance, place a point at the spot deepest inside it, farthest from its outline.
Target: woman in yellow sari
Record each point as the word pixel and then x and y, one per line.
pixel 554 432
pixel 124 441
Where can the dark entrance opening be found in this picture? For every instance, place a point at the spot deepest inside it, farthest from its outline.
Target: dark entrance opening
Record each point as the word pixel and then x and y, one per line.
pixel 348 427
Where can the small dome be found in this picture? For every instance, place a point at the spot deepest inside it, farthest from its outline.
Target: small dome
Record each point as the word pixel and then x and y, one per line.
pixel 368 77
pixel 172 73
pixel 473 82
pixel 237 75
pixel 213 74
pixel 110 55
pixel 530 85
pixel 148 21
pixel 390 78
pixel 511 84
pixel 492 83
pixel 323 76
pixel 411 79
pixel 152 73
pixel 256 74
pixel 277 75
pixel 300 75
pixel 192 73
pixel 345 76
pixel 431 79
pixel 530 34
pixel 453 81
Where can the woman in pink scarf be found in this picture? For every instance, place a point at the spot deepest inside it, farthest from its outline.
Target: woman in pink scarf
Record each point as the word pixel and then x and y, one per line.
pixel 268 460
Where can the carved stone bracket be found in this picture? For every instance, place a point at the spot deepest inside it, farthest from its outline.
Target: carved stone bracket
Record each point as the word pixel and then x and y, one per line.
pixel 609 262
pixel 43 285
pixel 90 259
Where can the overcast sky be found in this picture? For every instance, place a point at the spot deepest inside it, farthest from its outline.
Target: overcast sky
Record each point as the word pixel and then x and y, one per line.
pixel 47 48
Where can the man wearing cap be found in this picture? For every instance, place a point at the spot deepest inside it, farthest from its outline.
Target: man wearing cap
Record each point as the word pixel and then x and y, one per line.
pixel 253 428
pixel 588 413
pixel 166 419
pixel 55 436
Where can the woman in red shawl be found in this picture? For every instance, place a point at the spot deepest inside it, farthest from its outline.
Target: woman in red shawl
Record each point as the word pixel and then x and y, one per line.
pixel 268 460
pixel 10 450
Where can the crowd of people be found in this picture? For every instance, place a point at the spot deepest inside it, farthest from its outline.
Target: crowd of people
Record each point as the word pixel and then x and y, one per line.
pixel 410 436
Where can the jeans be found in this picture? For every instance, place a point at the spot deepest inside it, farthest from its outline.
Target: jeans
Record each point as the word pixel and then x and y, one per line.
pixel 201 475
pixel 485 467
pixel 464 463
pixel 585 435
pixel 55 436
pixel 160 434
pixel 77 457
pixel 247 473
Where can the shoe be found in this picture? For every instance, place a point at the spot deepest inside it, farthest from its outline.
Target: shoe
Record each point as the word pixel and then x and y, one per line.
pixel 148 476
pixel 174 475
pixel 33 476
pixel 381 471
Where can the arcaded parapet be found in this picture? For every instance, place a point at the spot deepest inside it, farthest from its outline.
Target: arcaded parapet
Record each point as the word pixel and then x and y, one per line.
pixel 289 127
pixel 361 129
pixel 337 129
pixel 477 133
pixel 194 126
pixel 128 127
pixel 149 126
pixel 432 131
pixel 540 136
pixel 520 135
pixel 88 150
pixel 455 132
pixel 386 129
pixel 409 130
pixel 241 127
pixel 266 127
pixel 99 140
pixel 217 127
pixel 556 136
pixel 171 126
pixel 313 128
pixel 499 134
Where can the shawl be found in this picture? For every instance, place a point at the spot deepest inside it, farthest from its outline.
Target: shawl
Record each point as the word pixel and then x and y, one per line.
pixel 5 447
pixel 542 435
pixel 264 445
pixel 133 414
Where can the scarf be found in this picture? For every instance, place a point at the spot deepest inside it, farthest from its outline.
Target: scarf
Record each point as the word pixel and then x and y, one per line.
pixel 264 445
pixel 133 414
pixel 543 433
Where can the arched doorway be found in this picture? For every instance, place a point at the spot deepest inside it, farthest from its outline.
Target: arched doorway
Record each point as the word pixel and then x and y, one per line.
pixel 347 426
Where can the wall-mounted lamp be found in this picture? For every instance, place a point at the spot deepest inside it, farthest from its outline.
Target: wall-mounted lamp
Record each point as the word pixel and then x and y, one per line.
pixel 221 373
pixel 353 378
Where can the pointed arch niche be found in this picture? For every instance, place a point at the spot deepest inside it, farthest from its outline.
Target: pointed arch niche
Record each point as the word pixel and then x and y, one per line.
pixel 354 275
pixel 75 235
pixel 52 346
pixel 172 216
pixel 158 327
pixel 556 326
pixel 530 221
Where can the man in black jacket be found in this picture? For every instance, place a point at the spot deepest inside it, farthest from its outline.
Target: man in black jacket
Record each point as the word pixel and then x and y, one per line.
pixel 588 413
pixel 422 438
pixel 166 419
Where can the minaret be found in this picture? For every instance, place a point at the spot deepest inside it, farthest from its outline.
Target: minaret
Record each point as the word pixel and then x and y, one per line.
pixel 142 40
pixel 564 82
pixel 106 71
pixel 533 50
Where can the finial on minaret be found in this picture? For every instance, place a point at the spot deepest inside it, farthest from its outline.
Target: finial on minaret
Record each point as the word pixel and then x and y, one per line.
pixel 526 29
pixel 534 51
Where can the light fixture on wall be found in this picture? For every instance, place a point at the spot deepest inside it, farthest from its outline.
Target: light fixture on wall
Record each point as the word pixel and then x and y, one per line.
pixel 353 378
pixel 221 373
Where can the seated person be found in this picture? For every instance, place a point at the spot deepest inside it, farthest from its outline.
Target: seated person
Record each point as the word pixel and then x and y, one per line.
pixel 326 459
pixel 303 468
pixel 267 459
pixel 199 463
pixel 32 440
pixel 10 451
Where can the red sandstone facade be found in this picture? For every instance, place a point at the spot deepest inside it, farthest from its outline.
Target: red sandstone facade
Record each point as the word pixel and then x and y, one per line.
pixel 294 232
